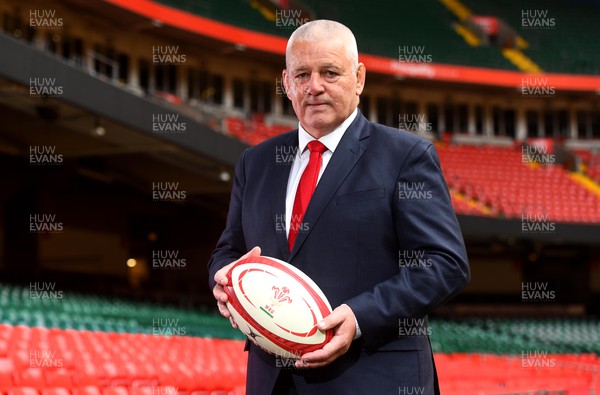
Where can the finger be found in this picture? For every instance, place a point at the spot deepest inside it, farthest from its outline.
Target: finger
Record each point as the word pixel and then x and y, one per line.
pixel 219 293
pixel 233 324
pixel 221 274
pixel 321 357
pixel 223 310
pixel 254 252
pixel 331 321
pixel 336 345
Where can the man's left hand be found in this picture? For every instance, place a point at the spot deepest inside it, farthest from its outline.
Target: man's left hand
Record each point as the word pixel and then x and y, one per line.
pixel 343 323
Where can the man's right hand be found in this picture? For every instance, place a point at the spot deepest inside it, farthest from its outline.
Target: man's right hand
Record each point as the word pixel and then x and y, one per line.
pixel 221 280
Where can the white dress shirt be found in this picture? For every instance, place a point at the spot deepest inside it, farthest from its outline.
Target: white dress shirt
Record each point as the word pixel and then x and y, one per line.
pixel 330 141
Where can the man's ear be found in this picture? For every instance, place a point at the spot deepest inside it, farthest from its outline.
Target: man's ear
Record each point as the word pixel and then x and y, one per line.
pixel 361 75
pixel 286 83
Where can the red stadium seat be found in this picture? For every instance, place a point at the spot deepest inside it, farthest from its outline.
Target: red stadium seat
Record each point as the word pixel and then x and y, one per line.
pixel 31 377
pixel 23 391
pixel 87 390
pixel 59 378
pixel 143 390
pixel 55 391
pixel 115 391
pixel 497 177
pixel 6 374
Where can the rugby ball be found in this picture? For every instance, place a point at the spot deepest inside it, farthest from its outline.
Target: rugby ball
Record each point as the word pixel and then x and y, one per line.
pixel 277 306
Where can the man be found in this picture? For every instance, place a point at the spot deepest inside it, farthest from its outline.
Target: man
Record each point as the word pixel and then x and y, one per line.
pixel 378 234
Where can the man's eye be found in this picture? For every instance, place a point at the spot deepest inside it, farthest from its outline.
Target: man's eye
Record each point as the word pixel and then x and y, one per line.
pixel 331 76
pixel 302 75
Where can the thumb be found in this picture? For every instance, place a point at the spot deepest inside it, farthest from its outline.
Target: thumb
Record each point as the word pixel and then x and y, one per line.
pixel 221 278
pixel 331 321
pixel 253 252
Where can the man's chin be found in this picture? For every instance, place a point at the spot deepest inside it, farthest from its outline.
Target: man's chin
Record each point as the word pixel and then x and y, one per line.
pixel 320 127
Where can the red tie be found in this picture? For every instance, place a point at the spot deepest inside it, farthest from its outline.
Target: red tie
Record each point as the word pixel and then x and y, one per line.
pixel 306 187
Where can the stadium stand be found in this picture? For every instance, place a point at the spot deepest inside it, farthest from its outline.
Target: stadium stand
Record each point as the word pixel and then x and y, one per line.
pixel 60 362
pixel 470 374
pixel 474 356
pixel 512 336
pixel 490 180
pixel 511 187
pixel 40 360
pixel 550 47
pixel 452 49
pixel 78 312
pixel 591 164
pixel 252 132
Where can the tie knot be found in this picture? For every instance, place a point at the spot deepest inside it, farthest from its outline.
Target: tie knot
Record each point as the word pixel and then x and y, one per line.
pixel 316 146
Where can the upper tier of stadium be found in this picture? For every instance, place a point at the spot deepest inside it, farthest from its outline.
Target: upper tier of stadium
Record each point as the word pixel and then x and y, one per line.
pixel 439 27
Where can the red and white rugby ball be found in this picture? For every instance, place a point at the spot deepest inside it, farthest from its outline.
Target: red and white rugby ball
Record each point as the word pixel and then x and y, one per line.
pixel 277 306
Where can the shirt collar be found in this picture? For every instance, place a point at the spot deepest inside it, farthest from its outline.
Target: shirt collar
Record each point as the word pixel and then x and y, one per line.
pixel 330 140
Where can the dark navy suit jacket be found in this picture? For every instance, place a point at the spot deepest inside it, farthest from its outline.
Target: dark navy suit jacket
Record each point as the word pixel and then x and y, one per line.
pixel 379 234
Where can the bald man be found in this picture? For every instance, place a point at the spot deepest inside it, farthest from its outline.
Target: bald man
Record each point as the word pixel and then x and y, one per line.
pixel 383 256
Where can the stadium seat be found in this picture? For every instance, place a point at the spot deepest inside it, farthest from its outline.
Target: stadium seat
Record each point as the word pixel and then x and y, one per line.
pixel 59 378
pixel 31 377
pixel 87 390
pixel 498 180
pixel 55 391
pixel 115 391
pixel 6 374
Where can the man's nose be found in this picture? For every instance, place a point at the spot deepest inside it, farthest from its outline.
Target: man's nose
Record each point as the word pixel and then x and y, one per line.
pixel 315 84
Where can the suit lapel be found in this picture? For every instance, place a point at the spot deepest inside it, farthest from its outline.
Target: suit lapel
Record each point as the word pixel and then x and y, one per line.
pixel 347 153
pixel 280 181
